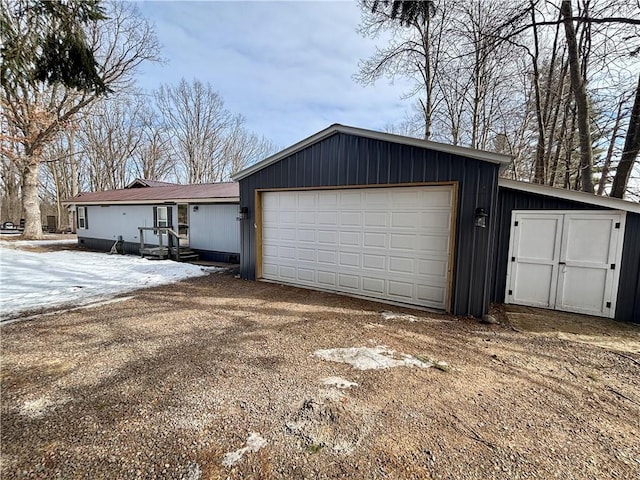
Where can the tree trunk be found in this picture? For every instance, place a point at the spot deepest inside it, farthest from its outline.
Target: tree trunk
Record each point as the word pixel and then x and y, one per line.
pixel 31 199
pixel 606 167
pixel 580 96
pixel 630 151
pixel 539 164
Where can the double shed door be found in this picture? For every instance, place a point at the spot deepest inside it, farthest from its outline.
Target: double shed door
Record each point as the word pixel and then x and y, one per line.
pixel 566 261
pixel 385 243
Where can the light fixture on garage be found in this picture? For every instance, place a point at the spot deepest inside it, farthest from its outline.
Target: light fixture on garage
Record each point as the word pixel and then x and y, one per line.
pixel 481 218
pixel 243 213
pixel 195 208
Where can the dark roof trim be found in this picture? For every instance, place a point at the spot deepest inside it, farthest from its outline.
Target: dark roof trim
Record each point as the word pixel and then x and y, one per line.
pixel 573 195
pixel 388 137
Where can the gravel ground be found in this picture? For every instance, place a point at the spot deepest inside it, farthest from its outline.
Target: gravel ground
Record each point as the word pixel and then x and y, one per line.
pixel 216 377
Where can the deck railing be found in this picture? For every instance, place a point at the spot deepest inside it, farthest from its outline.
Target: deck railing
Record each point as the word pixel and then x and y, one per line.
pixel 159 232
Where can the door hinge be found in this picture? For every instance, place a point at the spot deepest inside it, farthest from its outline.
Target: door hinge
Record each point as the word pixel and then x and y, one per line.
pixel 617 224
pixel 510 292
pixel 613 266
pixel 515 224
pixel 608 304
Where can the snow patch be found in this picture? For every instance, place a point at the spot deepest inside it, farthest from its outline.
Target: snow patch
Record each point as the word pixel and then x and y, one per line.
pixel 254 443
pixel 387 315
pixel 36 408
pixel 41 280
pixel 338 382
pixel 366 358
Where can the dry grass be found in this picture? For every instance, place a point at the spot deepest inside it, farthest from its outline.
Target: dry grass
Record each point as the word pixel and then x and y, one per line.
pixel 164 384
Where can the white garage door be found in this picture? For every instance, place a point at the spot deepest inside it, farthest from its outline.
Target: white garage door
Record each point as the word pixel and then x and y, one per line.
pixel 390 244
pixel 567 261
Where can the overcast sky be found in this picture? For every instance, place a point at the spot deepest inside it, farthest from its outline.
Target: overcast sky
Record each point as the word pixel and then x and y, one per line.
pixel 286 66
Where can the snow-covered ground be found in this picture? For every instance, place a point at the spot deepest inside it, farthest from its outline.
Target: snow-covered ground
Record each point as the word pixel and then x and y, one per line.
pixel 38 280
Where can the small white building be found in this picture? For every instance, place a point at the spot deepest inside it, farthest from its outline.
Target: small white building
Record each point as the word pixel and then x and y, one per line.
pixel 200 218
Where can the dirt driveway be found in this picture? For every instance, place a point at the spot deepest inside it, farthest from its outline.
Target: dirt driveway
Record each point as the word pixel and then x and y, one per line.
pixel 216 378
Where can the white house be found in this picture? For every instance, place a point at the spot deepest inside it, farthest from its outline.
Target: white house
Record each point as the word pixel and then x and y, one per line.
pixel 200 218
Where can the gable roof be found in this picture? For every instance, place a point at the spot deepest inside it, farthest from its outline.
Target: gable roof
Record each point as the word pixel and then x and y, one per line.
pixel 387 137
pixel 228 192
pixel 582 197
pixel 143 182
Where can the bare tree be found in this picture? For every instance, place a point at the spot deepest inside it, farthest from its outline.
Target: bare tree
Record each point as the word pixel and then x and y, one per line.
pixel 631 149
pixel 36 112
pixel 109 137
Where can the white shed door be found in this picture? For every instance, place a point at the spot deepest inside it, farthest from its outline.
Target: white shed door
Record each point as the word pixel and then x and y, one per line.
pixel 389 244
pixel 567 261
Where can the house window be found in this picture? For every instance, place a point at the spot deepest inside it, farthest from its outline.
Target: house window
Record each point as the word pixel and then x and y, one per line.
pixel 162 217
pixel 82 218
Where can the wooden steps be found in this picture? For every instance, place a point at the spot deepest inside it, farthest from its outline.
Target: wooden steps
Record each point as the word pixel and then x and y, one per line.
pixel 183 254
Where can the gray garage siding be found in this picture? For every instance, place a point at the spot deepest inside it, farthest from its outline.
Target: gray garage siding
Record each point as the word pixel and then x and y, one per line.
pixel 348 160
pixel 628 302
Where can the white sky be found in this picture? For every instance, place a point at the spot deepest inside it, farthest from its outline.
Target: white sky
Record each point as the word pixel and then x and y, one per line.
pixel 286 66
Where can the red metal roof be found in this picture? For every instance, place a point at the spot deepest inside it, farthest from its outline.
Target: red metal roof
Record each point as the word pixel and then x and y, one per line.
pixel 198 192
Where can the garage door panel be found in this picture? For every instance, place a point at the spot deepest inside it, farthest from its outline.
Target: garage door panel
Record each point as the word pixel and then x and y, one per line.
pixel 438 244
pixel 376 262
pixel 410 220
pixel 441 220
pixel 401 265
pixel 287 272
pixel 383 243
pixel 326 198
pixel 307 254
pixel 286 253
pixel 328 237
pixel 328 257
pixel 307 202
pixel 306 235
pixel 400 289
pixel 403 241
pixel 304 218
pixel 376 219
pixel 350 219
pixel 328 218
pixel 327 279
pixel 346 280
pixel 374 240
pixel 288 234
pixel 351 199
pixel 431 267
pixel 306 275
pixel 374 285
pixel 350 239
pixel 348 260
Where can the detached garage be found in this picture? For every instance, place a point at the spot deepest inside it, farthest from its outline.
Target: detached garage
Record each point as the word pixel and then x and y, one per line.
pixel 423 224
pixel 373 215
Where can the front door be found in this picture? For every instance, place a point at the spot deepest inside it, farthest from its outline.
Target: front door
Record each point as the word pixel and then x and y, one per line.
pixel 162 219
pixel 567 261
pixel 183 223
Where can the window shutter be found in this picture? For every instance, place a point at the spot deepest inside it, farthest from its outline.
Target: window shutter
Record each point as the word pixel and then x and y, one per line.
pixel 78 217
pixel 170 217
pixel 155 216
pixel 86 217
